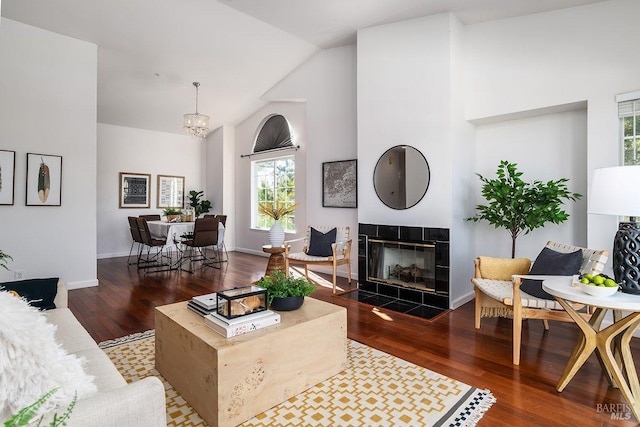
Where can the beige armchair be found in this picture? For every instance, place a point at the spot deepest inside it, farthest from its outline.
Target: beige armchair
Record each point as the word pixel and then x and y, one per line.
pixel 498 293
pixel 339 253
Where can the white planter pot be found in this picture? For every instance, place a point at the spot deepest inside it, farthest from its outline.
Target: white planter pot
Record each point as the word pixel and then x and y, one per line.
pixel 276 234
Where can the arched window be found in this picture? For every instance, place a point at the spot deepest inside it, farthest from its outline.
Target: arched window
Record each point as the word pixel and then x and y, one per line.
pixel 273 178
pixel 274 133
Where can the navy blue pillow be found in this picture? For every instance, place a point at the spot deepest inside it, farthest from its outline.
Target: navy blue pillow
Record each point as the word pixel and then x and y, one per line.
pixel 39 293
pixel 320 243
pixel 551 263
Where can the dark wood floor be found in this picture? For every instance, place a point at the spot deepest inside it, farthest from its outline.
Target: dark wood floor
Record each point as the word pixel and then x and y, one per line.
pixel 526 396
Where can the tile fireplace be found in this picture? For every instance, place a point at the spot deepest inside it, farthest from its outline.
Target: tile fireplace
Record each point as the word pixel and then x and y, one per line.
pixel 403 268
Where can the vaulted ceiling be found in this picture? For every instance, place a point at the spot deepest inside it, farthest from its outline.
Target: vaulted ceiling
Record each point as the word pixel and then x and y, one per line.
pixel 150 51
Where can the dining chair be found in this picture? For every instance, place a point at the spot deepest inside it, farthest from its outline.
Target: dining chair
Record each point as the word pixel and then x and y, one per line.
pixel 322 245
pixel 150 243
pixel 223 246
pixel 223 221
pixel 136 239
pixel 498 290
pixel 205 236
pixel 151 217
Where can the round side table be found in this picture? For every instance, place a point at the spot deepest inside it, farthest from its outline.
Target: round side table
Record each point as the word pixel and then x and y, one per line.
pixel 276 259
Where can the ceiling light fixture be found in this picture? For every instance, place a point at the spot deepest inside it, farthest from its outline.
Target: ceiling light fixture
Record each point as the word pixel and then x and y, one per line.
pixel 196 124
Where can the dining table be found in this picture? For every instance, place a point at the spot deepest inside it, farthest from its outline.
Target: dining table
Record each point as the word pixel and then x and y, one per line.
pixel 172 232
pixel 612 343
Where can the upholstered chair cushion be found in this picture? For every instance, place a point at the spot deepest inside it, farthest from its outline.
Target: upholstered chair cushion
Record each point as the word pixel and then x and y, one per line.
pixel 502 268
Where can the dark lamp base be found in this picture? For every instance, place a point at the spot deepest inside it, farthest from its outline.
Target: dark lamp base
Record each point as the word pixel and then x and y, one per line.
pixel 626 257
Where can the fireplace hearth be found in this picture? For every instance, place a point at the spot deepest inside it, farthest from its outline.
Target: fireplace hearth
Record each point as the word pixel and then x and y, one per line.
pixel 403 268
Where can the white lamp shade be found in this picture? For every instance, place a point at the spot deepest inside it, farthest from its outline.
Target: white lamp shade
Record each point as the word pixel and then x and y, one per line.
pixel 615 191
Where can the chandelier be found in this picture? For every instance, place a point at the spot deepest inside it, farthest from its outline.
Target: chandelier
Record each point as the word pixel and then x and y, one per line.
pixel 196 124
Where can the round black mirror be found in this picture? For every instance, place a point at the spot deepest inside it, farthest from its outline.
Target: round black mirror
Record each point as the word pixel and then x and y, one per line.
pixel 401 177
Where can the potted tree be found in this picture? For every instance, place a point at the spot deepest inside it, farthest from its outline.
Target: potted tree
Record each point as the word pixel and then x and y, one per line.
pixel 285 293
pixel 521 207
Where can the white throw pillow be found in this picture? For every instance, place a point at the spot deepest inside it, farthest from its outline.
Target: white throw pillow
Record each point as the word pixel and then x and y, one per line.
pixel 32 363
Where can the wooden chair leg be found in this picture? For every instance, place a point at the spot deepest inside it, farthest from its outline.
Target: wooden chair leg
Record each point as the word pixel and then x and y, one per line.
pixel 517 333
pixel 306 271
pixel 545 322
pixel 478 306
pixel 335 268
pixel 286 267
pixel 349 272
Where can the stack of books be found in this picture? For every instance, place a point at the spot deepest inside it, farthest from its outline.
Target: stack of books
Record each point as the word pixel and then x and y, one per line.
pixel 241 325
pixel 203 304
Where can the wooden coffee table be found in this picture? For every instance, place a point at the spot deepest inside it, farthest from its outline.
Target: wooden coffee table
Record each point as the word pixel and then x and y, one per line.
pixel 230 380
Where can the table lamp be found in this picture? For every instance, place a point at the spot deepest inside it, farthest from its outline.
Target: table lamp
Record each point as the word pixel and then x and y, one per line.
pixel 616 191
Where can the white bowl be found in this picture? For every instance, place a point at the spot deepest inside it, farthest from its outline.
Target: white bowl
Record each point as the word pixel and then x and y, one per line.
pixel 598 291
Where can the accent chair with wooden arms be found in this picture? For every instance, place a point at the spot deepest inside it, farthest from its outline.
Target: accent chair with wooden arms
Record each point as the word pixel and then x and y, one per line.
pixel 320 247
pixel 497 284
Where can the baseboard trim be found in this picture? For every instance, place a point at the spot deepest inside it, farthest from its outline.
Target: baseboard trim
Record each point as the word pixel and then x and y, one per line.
pixel 82 284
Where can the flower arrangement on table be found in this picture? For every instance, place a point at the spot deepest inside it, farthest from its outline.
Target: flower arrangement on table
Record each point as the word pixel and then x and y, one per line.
pixel 277 209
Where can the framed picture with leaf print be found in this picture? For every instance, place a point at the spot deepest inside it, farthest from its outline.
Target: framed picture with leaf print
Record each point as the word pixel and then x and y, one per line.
pixel 44 180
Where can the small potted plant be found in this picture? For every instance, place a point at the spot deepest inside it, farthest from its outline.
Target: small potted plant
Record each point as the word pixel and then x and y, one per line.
pixel 172 213
pixel 285 293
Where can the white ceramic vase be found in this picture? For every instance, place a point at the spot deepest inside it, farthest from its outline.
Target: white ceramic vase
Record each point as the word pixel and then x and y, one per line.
pixel 276 234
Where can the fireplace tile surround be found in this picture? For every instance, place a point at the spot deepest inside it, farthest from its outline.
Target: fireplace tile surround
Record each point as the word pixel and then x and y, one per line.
pixel 423 290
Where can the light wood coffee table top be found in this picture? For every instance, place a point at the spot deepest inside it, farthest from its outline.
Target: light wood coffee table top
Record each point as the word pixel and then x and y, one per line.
pixel 230 380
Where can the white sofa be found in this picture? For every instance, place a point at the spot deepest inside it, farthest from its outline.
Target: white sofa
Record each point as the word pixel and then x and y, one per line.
pixel 140 404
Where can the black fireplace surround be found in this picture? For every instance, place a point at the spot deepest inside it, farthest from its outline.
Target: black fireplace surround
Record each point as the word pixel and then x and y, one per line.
pixel 404 268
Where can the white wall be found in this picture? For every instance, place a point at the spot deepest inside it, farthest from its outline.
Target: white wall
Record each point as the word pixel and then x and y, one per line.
pixel 547 147
pixel 48 106
pixel 404 97
pixel 327 82
pixel 556 58
pixel 409 93
pixel 220 178
pixel 122 149
pixel 462 249
pixel 326 132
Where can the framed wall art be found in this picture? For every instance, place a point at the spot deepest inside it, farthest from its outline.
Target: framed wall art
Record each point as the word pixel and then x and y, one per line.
pixel 135 190
pixel 170 191
pixel 7 176
pixel 340 184
pixel 44 180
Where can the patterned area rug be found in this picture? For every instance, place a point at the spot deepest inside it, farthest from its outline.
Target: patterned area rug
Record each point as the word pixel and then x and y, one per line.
pixel 376 389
